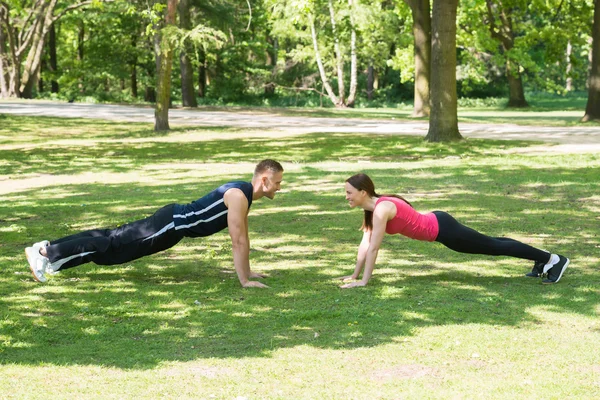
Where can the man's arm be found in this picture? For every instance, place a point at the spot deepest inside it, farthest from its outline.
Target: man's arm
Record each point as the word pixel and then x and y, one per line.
pixel 237 221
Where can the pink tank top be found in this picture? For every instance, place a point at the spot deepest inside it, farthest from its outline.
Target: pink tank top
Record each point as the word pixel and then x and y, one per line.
pixel 409 222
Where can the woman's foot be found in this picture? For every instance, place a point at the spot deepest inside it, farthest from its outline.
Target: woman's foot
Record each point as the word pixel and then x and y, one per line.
pixel 557 269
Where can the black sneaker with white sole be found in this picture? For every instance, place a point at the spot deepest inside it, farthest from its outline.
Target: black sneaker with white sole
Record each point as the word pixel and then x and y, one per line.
pixel 537 271
pixel 557 270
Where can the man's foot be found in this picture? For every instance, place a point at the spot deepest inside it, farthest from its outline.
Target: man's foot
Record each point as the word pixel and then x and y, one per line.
pixel 41 244
pixel 556 271
pixel 537 271
pixel 37 263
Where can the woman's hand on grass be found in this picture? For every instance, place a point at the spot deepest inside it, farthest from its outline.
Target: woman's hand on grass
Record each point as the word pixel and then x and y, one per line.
pixel 257 275
pixel 353 284
pixel 254 284
pixel 347 278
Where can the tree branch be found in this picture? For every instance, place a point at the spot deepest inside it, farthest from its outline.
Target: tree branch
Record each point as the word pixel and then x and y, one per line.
pixel 558 11
pixel 26 35
pixel 74 7
pixel 250 17
pixel 493 29
pixel 37 5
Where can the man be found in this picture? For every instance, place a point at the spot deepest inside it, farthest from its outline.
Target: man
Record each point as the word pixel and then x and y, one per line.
pixel 225 207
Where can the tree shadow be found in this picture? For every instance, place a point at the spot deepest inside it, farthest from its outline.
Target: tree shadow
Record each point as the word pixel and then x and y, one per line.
pixel 116 156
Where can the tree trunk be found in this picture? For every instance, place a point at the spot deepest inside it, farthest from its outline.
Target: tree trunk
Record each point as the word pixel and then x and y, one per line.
pixel 53 60
pixel 202 74
pixel 272 50
pixel 40 82
pixel 150 94
pixel 188 97
pixel 80 40
pixel 516 94
pixel 34 57
pixel 505 35
pixel 161 113
pixel 569 80
pixel 353 59
pixel 80 54
pixel 592 109
pixel 13 63
pixel 133 81
pixel 3 65
pixel 324 79
pixel 443 122
pixel 133 66
pixel 339 61
pixel 370 80
pixel 422 43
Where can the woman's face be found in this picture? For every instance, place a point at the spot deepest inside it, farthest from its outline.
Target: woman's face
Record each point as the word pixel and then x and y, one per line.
pixel 354 196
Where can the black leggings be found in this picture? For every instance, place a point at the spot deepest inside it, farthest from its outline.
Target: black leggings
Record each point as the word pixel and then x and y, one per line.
pixel 116 246
pixel 463 239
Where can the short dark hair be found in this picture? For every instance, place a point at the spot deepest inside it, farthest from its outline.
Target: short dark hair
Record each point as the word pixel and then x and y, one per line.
pixel 267 164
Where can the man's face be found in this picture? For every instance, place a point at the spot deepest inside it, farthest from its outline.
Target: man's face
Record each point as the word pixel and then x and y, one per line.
pixel 271 182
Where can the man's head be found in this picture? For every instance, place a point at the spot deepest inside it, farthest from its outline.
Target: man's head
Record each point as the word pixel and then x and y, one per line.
pixel 268 175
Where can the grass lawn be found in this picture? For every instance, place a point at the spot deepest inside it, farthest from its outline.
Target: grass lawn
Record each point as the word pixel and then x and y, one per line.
pixel 431 323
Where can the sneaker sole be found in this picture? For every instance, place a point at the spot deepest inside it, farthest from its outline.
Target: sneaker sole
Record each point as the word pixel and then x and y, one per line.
pixel 31 267
pixel 561 273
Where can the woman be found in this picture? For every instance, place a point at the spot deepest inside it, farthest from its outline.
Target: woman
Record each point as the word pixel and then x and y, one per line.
pixel 393 214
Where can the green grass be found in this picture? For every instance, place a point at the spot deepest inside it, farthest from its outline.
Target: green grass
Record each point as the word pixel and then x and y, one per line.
pixel 431 323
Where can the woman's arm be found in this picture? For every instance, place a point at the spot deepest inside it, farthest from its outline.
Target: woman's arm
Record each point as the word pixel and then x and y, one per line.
pixel 381 216
pixel 360 257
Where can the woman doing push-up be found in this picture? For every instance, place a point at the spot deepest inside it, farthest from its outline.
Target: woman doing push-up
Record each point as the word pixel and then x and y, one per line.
pixel 394 215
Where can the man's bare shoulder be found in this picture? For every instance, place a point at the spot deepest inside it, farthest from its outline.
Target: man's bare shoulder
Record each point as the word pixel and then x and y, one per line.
pixel 235 197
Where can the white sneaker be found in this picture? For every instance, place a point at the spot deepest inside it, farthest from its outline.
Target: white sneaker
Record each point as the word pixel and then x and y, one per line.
pixel 41 244
pixel 37 263
pixel 49 269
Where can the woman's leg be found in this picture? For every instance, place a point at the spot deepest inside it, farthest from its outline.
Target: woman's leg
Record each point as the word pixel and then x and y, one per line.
pixel 463 239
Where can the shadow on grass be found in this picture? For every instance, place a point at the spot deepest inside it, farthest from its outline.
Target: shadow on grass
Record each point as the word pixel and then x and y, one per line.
pixel 186 303
pixel 121 157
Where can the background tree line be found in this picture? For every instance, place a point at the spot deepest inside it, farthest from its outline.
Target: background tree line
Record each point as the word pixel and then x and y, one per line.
pixel 296 52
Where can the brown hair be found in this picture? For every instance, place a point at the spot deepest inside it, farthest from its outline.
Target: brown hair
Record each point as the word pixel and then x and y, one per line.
pixel 268 164
pixel 363 182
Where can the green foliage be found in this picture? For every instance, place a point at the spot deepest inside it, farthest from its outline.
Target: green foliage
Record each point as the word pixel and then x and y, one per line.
pixel 542 30
pixel 244 55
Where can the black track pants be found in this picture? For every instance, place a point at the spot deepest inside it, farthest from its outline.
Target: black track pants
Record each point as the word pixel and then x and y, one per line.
pixel 463 239
pixel 116 246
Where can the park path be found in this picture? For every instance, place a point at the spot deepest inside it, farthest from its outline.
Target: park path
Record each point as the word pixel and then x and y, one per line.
pixel 583 138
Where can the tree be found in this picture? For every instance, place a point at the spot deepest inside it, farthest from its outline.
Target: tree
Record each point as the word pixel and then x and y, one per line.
pixel 422 39
pixel 340 99
pixel 53 63
pixel 26 27
pixel 592 109
pixel 500 22
pixel 330 28
pixel 443 122
pixel 188 97
pixel 163 94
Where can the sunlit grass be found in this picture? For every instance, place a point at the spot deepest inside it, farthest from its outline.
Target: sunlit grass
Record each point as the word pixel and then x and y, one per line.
pixel 431 323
